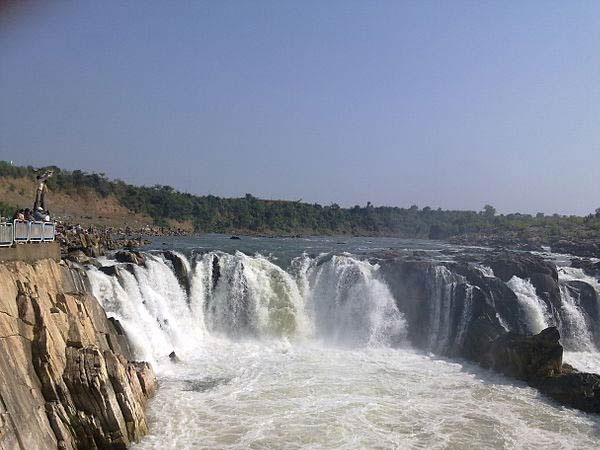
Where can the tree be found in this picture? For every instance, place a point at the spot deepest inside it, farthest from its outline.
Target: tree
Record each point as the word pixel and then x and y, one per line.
pixel 489 211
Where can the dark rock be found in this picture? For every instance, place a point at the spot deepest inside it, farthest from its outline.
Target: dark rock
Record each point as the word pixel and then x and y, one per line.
pixel 542 274
pixel 578 390
pixel 180 270
pixel 586 248
pixel 589 268
pixel 78 256
pixel 216 271
pixel 173 357
pixel 234 237
pixel 587 298
pixel 130 256
pixel 109 270
pixel 499 296
pixel 523 265
pixel 525 357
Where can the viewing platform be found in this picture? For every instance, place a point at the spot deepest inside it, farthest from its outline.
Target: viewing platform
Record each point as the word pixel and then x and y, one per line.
pixel 28 241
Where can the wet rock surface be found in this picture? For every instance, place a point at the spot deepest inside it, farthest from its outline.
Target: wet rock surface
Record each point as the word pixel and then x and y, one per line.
pixel 69 381
pixel 455 308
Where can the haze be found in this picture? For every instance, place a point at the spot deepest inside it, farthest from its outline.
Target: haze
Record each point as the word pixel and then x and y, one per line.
pixel 451 104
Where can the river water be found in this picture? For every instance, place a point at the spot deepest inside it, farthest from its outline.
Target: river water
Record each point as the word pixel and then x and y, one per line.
pixel 283 346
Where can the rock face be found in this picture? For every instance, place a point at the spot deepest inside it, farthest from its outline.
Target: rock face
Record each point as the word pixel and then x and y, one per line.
pixel 92 244
pixel 456 309
pixel 583 247
pixel 527 358
pixel 180 270
pixel 538 361
pixel 67 376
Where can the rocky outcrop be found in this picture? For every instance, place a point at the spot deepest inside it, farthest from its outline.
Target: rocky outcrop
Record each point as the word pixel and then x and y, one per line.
pixel 537 360
pixel 579 247
pixel 180 269
pixel 92 243
pixel 460 309
pixel 130 256
pixel 527 358
pixel 589 267
pixel 573 388
pixel 68 376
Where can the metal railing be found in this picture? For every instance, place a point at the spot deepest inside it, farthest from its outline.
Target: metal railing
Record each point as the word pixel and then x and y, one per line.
pixel 6 234
pixel 22 232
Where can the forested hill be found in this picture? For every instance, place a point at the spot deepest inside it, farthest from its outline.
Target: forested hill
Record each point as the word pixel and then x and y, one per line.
pixel 209 213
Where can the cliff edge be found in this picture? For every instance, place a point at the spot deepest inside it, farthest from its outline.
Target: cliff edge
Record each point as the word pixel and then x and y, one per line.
pixel 67 376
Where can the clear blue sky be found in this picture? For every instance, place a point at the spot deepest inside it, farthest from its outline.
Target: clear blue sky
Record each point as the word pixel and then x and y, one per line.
pixel 435 103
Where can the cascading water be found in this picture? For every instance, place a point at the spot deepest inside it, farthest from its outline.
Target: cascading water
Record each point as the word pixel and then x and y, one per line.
pixel 581 339
pixel 573 327
pixel 339 299
pixel 302 357
pixel 152 307
pixel 536 309
pixel 348 303
pixel 450 312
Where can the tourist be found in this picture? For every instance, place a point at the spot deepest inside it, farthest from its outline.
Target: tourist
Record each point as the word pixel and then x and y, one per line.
pixel 39 214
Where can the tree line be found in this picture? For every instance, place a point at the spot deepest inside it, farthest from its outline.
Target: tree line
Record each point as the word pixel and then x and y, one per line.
pixel 211 213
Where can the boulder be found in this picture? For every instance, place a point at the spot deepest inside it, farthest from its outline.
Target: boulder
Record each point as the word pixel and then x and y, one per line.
pixel 537 360
pixel 574 389
pixel 527 358
pixel 130 256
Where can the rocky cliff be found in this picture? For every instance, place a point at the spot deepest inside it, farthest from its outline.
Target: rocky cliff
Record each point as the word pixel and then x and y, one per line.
pixel 468 310
pixel 67 375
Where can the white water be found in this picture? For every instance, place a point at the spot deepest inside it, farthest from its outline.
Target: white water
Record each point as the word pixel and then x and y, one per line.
pixel 574 331
pixel 303 359
pixel 533 305
pixel 273 396
pixel 587 358
pixel 443 286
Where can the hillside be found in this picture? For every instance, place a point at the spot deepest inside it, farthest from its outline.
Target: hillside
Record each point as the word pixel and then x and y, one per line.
pixel 85 198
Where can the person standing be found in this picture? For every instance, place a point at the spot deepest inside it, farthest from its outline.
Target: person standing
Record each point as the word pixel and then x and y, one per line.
pixel 39 206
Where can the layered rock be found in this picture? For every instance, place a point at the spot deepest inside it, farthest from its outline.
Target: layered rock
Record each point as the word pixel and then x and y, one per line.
pixel 68 376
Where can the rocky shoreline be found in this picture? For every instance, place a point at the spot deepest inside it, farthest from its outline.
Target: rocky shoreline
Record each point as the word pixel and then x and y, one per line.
pixel 70 380
pixel 581 247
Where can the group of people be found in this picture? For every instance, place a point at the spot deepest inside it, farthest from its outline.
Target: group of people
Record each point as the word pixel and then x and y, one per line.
pixel 28 215
pixel 39 213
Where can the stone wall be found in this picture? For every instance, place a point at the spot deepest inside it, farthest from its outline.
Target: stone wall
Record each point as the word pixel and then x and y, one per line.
pixel 67 379
pixel 31 252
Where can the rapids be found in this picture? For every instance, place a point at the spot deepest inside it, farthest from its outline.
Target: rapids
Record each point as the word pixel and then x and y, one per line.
pixel 312 352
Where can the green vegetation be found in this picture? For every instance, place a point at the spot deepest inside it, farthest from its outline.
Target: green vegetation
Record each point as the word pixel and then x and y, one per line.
pixel 6 210
pixel 250 214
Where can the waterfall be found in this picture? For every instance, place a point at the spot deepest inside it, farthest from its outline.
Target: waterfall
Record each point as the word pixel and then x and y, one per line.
pixel 338 299
pixel 150 304
pixel 532 304
pixel 573 328
pixel 349 303
pixel 178 303
pixel 580 317
pixel 451 304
